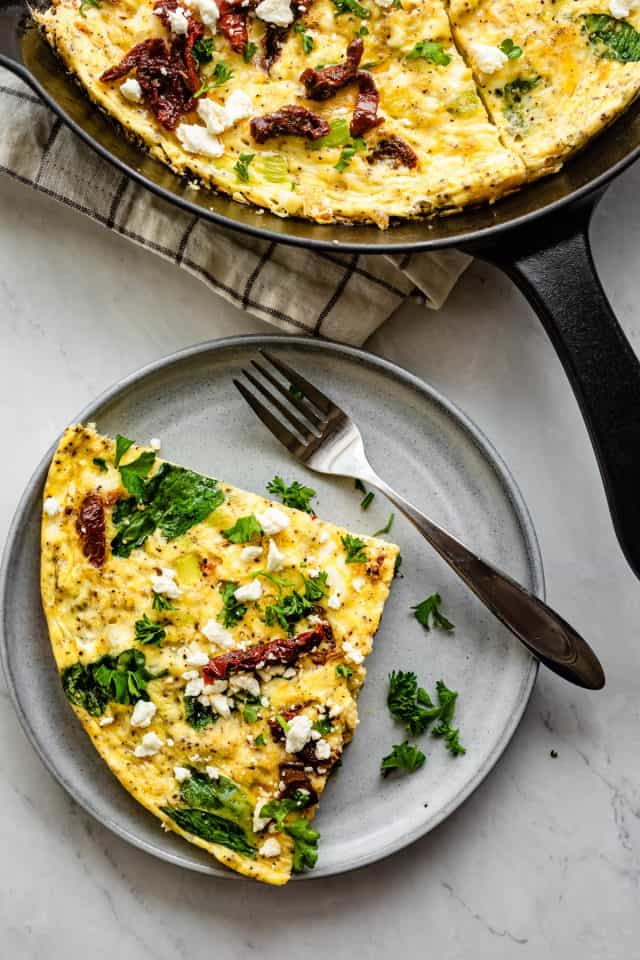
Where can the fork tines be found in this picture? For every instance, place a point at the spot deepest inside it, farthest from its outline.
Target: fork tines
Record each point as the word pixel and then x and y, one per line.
pixel 304 407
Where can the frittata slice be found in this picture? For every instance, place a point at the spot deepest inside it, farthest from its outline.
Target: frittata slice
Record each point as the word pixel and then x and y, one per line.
pixel 211 643
pixel 433 151
pixel 551 74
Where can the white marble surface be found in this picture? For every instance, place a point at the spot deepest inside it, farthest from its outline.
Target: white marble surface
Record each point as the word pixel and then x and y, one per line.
pixel 543 861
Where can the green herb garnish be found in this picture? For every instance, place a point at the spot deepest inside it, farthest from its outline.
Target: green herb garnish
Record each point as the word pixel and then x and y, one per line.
pixel 429 615
pixel 278 810
pixel 259 740
pixel 410 703
pixel 354 547
pixel 351 6
pixel 241 167
pixel 87 3
pixel 222 73
pixel 122 445
pixel 123 679
pixel 197 715
pixel 149 632
pixel 368 497
pixel 288 610
pixel 324 726
pixel 220 794
pixel 431 51
pixel 202 51
pixel 101 464
pixel 403 756
pixel 387 526
pixel 447 702
pixel 294 495
pixel 249 51
pixel 213 828
pixel 160 602
pixel 133 474
pixel 232 611
pixel 305 843
pixel 510 50
pixel 612 39
pixel 348 152
pixel 342 670
pixel 250 713
pixel 305 38
pixel 244 530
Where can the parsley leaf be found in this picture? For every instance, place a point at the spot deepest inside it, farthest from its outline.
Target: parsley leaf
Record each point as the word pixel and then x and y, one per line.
pixel 431 51
pixel 222 73
pixel 351 6
pixel 202 51
pixel 355 549
pixel 122 445
pixel 244 530
pixel 447 701
pixel 149 632
pixel 612 39
pixel 305 843
pixel 196 714
pixel 288 610
pixel 305 38
pixel 368 497
pixel 232 611
pixel 403 756
pixel 324 726
pixel 410 703
pixel 250 713
pixel 132 474
pixel 259 740
pixel 249 51
pixel 387 526
pixel 87 3
pixel 430 609
pixel 241 167
pixel 101 464
pixel 213 828
pixel 342 670
pixel 295 495
pixel 161 602
pixel 278 810
pixel 315 588
pixel 357 145
pixel 510 50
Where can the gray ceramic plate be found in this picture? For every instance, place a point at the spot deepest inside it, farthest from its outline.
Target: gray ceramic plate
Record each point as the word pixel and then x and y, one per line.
pixel 423 446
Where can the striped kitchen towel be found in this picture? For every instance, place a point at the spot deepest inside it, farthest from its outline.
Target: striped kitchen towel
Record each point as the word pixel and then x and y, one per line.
pixel 343 297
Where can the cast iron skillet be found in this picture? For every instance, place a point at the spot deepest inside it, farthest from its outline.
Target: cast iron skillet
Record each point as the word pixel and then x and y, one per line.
pixel 538 236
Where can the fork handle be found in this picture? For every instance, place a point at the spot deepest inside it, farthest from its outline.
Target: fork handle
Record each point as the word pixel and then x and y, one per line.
pixel 542 631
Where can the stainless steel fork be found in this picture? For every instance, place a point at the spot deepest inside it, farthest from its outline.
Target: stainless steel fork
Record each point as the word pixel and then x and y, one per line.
pixel 320 434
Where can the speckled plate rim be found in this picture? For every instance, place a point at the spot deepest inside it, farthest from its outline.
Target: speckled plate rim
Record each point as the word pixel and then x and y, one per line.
pixel 380 365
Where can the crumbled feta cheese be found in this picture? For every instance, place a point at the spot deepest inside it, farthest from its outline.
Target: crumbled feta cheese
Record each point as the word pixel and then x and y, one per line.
pixel 272 520
pixel 289 673
pixel 212 772
pixel 150 745
pixel 358 583
pixel 216 686
pixel 208 11
pixel 314 619
pixel 181 774
pixel 143 713
pixel 131 90
pixel 352 653
pixel 270 848
pixel 194 688
pixel 220 704
pixel 323 749
pixel 315 735
pixel 244 681
pixel 250 553
pixel 238 106
pixel 249 591
pixel 155 443
pixel 488 59
pixel 194 655
pixel 298 733
pixel 275 11
pixel 259 823
pixel 190 675
pixel 216 633
pixel 337 586
pixel 264 701
pixel 165 583
pixel 622 8
pixel 105 721
pixel 178 21
pixel 214 115
pixel 385 3
pixel 51 506
pixel 268 673
pixel 170 741
pixel 197 139
pixel 313 571
pixel 335 709
pixel 275 557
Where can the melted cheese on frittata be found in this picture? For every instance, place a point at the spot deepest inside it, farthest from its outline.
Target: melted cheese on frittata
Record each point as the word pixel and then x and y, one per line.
pixel 92 611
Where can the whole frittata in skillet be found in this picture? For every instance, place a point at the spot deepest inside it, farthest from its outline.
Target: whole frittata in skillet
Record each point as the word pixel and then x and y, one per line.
pixel 355 110
pixel 211 643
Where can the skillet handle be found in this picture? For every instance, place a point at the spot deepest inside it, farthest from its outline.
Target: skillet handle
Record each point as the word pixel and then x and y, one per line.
pixel 553 266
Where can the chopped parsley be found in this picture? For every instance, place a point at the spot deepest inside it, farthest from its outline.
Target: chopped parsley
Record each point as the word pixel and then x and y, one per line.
pixel 241 167
pixel 510 49
pixel 294 495
pixel 348 152
pixel 279 810
pixel 342 670
pixel 403 756
pixel 243 530
pixel 354 547
pixel 431 51
pixel 101 464
pixel 122 445
pixel 288 610
pixel 447 703
pixel 222 73
pixel 250 713
pixel 161 602
pixel 351 6
pixel 249 51
pixel 197 715
pixel 282 723
pixel 87 3
pixel 232 610
pixel 323 726
pixel 612 39
pixel 414 707
pixel 429 615
pixel 202 51
pixel 305 842
pixel 368 497
pixel 149 632
pixel 387 526
pixel 259 740
pixel 305 38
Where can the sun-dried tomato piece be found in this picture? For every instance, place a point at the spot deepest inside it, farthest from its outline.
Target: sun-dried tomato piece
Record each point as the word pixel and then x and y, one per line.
pixel 91 529
pixel 276 730
pixel 285 650
pixel 323 84
pixel 292 121
pixel 148 50
pixel 294 777
pixel 232 22
pixel 161 8
pixel 394 150
pixel 275 37
pixel 365 111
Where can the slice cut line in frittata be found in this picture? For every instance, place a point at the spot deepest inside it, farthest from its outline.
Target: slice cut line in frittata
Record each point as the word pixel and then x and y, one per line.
pixel 211 643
